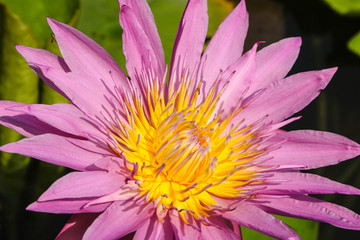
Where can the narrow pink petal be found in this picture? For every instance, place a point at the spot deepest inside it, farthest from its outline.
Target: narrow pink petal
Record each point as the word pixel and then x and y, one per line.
pixel 153 229
pixel 304 183
pixel 226 46
pixel 339 210
pixel 181 229
pixel 240 74
pixel 94 146
pixel 75 228
pixel 311 149
pixel 24 124
pixel 119 219
pixel 67 206
pixel 219 231
pixel 310 208
pixel 190 36
pixel 118 195
pixel 43 57
pixel 53 149
pixel 92 97
pixel 141 41
pixel 83 185
pixel 85 56
pixel 146 19
pixel 63 116
pixel 274 62
pixel 252 217
pixel 283 98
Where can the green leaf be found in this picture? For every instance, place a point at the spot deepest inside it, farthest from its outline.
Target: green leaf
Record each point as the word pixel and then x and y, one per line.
pixel 100 21
pixel 167 16
pixel 17 81
pixel 354 44
pixel 218 10
pixel 34 13
pixel 308 230
pixel 345 7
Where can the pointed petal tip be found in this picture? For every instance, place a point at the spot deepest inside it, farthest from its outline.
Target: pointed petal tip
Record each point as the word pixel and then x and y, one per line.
pixel 297 40
pixel 32 207
pixel 50 20
pixel 292 42
pixel 23 50
pixel 6 147
pixel 354 191
pixel 19 47
pixel 54 25
pixel 243 4
pixel 241 10
pixel 326 74
pixel 332 71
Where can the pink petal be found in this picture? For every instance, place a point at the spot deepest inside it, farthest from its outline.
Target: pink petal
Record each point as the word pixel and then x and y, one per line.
pixel 311 149
pixel 96 147
pixel 339 210
pixel 53 149
pixel 75 228
pixel 181 229
pixel 240 74
pixel 310 208
pixel 63 116
pixel 119 219
pixel 274 62
pixel 118 195
pixel 91 94
pixel 85 56
pixel 24 124
pixel 219 231
pixel 283 98
pixel 305 183
pixel 67 206
pixel 83 185
pixel 88 94
pixel 141 41
pixel 252 217
pixel 190 36
pixel 229 39
pixel 43 57
pixel 153 229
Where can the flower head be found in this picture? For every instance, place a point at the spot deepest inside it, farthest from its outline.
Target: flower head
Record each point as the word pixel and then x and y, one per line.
pixel 184 152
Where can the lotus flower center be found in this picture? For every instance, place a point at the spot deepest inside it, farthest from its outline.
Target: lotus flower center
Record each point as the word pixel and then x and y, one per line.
pixel 182 150
pixel 180 155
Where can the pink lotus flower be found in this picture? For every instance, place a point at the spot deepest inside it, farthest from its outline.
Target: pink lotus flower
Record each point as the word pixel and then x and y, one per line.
pixel 174 157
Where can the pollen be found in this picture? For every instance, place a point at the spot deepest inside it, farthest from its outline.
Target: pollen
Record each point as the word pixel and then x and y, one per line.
pixel 182 151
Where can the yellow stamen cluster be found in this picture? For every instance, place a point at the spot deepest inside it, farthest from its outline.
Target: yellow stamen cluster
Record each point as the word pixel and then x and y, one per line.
pixel 181 153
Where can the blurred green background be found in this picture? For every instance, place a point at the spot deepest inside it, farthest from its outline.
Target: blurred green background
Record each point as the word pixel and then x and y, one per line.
pixel 330 30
